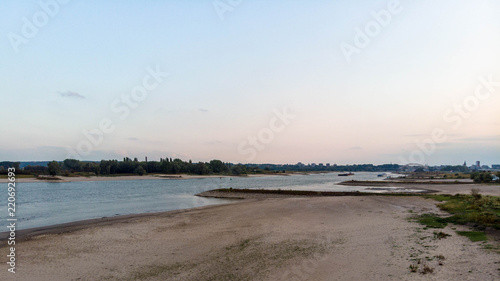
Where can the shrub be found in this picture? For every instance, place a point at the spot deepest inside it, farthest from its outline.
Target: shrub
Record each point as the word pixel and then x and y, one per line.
pixel 426 269
pixel 475 193
pixel 140 171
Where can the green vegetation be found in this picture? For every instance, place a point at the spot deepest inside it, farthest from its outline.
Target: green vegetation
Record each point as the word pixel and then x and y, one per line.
pixel 73 167
pixel 480 177
pixel 53 168
pixel 457 169
pixel 70 167
pixel 311 193
pixel 474 236
pixel 494 248
pixel 476 209
pixel 482 211
pixel 432 221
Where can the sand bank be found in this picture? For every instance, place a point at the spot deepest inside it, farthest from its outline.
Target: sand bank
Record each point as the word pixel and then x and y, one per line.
pixel 314 238
pixel 120 178
pixel 451 187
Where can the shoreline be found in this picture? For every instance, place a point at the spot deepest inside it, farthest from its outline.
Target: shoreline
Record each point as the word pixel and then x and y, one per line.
pixel 68 227
pixel 244 195
pixel 400 183
pixel 259 195
pixel 286 193
pixel 299 238
pixel 124 178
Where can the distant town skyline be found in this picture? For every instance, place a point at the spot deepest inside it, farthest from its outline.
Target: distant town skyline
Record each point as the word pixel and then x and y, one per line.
pixel 252 82
pixel 325 164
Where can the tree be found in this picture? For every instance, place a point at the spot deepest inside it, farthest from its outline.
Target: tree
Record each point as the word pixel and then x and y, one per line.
pixel 140 171
pixel 73 165
pixel 176 168
pixel 53 168
pixel 238 169
pixel 201 169
pixel 217 166
pixel 96 168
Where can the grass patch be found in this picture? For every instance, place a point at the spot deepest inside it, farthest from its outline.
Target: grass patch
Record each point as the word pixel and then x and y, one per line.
pixel 482 211
pixel 474 236
pixel 432 221
pixel 439 197
pixel 310 192
pixel 494 248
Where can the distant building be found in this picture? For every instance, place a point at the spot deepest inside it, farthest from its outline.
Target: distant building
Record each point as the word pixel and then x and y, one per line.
pixel 495 166
pixel 320 164
pixel 328 164
pixel 465 164
pixel 478 164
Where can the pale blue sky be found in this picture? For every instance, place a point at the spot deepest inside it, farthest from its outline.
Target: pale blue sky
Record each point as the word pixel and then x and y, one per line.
pixel 227 76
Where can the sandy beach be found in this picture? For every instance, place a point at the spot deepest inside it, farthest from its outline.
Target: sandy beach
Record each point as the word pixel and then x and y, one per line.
pixel 287 238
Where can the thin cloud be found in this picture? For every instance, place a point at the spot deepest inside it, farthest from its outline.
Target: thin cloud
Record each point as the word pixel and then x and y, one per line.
pixel 70 94
pixel 355 148
pixel 133 139
pixel 481 139
pixel 203 110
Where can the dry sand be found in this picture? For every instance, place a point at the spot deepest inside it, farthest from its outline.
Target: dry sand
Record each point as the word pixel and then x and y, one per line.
pixel 319 238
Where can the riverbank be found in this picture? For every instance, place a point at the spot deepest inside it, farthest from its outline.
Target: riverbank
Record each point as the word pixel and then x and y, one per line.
pixel 439 186
pixel 123 178
pixel 294 238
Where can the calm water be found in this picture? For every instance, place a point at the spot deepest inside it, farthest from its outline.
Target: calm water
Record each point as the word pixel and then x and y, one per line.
pixel 42 203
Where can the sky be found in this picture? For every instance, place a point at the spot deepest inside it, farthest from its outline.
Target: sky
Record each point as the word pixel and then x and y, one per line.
pixel 346 82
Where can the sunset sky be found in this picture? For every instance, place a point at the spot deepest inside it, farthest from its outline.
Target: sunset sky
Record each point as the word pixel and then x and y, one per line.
pixel 251 81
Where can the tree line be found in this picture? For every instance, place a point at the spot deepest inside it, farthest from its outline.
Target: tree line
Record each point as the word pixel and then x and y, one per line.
pixel 129 166
pixel 178 166
pixel 480 177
